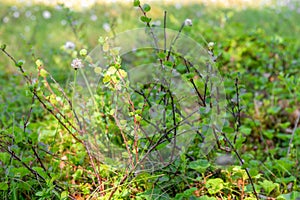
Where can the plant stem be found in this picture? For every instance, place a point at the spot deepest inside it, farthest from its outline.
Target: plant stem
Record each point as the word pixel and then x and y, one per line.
pixel 74 87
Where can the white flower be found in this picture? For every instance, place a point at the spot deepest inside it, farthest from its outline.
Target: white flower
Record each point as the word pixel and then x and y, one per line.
pixel 178 6
pixel 106 27
pixel 5 20
pixel 33 18
pixel 58 7
pixel 93 17
pixel 69 45
pixel 188 22
pixel 47 14
pixel 211 45
pixel 157 23
pixel 28 13
pixel 63 22
pixel 77 63
pixel 16 14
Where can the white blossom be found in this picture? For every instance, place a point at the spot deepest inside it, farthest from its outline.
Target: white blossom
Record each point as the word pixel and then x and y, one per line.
pixel 188 22
pixel 5 20
pixel 77 64
pixel 106 27
pixel 28 13
pixel 93 17
pixel 47 14
pixel 16 14
pixel 211 45
pixel 69 45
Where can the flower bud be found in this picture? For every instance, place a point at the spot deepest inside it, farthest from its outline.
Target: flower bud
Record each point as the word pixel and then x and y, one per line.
pixel 188 22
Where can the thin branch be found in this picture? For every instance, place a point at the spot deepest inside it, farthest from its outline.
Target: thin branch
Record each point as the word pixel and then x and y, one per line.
pixel 240 160
pixel 293 134
pixel 165 34
pixel 38 97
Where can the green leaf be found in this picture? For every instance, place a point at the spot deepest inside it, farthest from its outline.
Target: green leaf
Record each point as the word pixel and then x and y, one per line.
pixel 207 198
pixel 245 130
pixel 21 171
pixel 199 165
pixel 145 19
pixel 214 185
pixel 268 186
pixel 189 192
pixel 136 3
pixel 227 129
pixel 146 7
pixel 181 68
pixel 64 195
pixel 3 186
pixel 273 110
pixel 3 47
pixel 168 63
pixel 20 63
pixel 41 172
pixel 39 193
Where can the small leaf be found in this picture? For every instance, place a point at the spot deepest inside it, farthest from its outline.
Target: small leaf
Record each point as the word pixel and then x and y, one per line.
pixel 206 198
pixel 105 47
pixel 199 165
pixel 136 3
pixel 214 185
pixel 20 63
pixel 268 186
pixel 3 186
pixel 39 62
pixel 3 47
pixel 145 19
pixel 98 70
pixel 43 73
pixel 189 192
pixel 39 194
pixel 146 7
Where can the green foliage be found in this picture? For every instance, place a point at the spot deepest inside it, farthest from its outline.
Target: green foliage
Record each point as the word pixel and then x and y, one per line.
pixel 40 159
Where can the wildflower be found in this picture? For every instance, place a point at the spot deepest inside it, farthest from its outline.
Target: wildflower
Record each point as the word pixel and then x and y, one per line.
pixel 83 52
pixel 111 70
pixel 211 45
pixel 178 6
pixel 77 63
pixel 16 14
pixel 5 20
pixel 157 23
pixel 63 22
pixel 47 14
pixel 188 22
pixel 69 45
pixel 39 62
pixel 28 14
pixel 93 17
pixel 106 27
